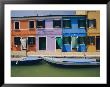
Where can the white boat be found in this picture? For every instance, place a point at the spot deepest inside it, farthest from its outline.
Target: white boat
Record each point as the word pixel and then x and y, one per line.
pixel 71 61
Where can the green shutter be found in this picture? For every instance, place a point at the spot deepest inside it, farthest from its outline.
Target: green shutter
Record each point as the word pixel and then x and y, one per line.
pixel 59 41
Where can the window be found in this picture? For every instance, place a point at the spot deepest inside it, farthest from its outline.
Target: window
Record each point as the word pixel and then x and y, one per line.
pixel 17 41
pixel 56 23
pixel 16 25
pixel 81 23
pixel 66 23
pixel 81 40
pixel 92 23
pixel 31 24
pixel 40 24
pixel 91 40
pixel 31 40
pixel 66 40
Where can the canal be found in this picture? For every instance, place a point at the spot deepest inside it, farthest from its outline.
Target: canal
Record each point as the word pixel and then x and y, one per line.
pixel 47 70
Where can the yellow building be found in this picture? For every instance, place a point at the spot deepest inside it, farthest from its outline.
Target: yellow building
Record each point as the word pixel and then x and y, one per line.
pixel 93 31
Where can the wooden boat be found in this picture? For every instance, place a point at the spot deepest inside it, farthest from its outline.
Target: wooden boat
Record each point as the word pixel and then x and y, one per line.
pixel 71 61
pixel 26 60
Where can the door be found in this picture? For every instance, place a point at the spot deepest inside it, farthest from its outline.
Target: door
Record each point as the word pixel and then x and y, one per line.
pixel 42 43
pixel 74 43
pixel 23 43
pixel 97 43
pixel 58 43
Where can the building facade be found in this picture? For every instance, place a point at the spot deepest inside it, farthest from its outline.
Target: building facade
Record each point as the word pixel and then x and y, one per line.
pixel 64 33
pixel 93 31
pixel 49 33
pixel 74 33
pixel 23 33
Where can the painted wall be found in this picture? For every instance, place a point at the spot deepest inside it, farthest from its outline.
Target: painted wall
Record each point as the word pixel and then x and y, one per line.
pixel 24 31
pixel 73 31
pixel 49 32
pixel 93 31
pixel 50 35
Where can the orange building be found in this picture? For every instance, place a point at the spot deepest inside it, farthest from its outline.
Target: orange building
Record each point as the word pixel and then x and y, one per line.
pixel 23 33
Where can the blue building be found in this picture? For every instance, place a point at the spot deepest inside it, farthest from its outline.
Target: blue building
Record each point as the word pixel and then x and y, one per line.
pixel 74 33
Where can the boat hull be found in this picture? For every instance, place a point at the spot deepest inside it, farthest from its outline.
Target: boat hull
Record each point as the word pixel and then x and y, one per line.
pixel 26 61
pixel 73 62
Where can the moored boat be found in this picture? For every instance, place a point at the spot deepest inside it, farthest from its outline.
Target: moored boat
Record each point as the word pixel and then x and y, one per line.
pixel 71 61
pixel 26 60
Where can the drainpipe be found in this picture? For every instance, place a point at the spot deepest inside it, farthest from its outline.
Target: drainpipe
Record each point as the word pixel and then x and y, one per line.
pixel 26 46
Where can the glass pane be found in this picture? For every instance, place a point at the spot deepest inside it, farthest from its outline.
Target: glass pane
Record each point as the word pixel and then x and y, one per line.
pixel 92 23
pixel 81 40
pixel 40 24
pixel 66 40
pixel 81 23
pixel 31 24
pixel 67 23
pixel 31 40
pixel 17 41
pixel 56 23
pixel 16 25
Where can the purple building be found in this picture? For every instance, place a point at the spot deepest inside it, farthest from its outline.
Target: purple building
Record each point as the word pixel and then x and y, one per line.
pixel 49 33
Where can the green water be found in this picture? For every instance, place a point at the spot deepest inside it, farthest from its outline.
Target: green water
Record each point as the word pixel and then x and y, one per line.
pixel 47 70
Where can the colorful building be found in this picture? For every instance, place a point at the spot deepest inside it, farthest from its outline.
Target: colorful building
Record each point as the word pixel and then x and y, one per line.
pixel 49 33
pixel 64 33
pixel 74 33
pixel 93 31
pixel 23 33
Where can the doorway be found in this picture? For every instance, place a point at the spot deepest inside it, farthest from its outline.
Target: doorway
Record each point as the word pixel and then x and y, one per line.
pixel 58 43
pixel 97 42
pixel 42 43
pixel 23 43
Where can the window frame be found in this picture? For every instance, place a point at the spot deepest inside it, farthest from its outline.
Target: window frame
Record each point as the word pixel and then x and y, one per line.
pixel 31 37
pixel 39 26
pixel 80 41
pixel 14 25
pixel 56 20
pixel 69 37
pixel 19 40
pixel 79 23
pixel 70 23
pixel 29 24
pixel 89 40
pixel 88 21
